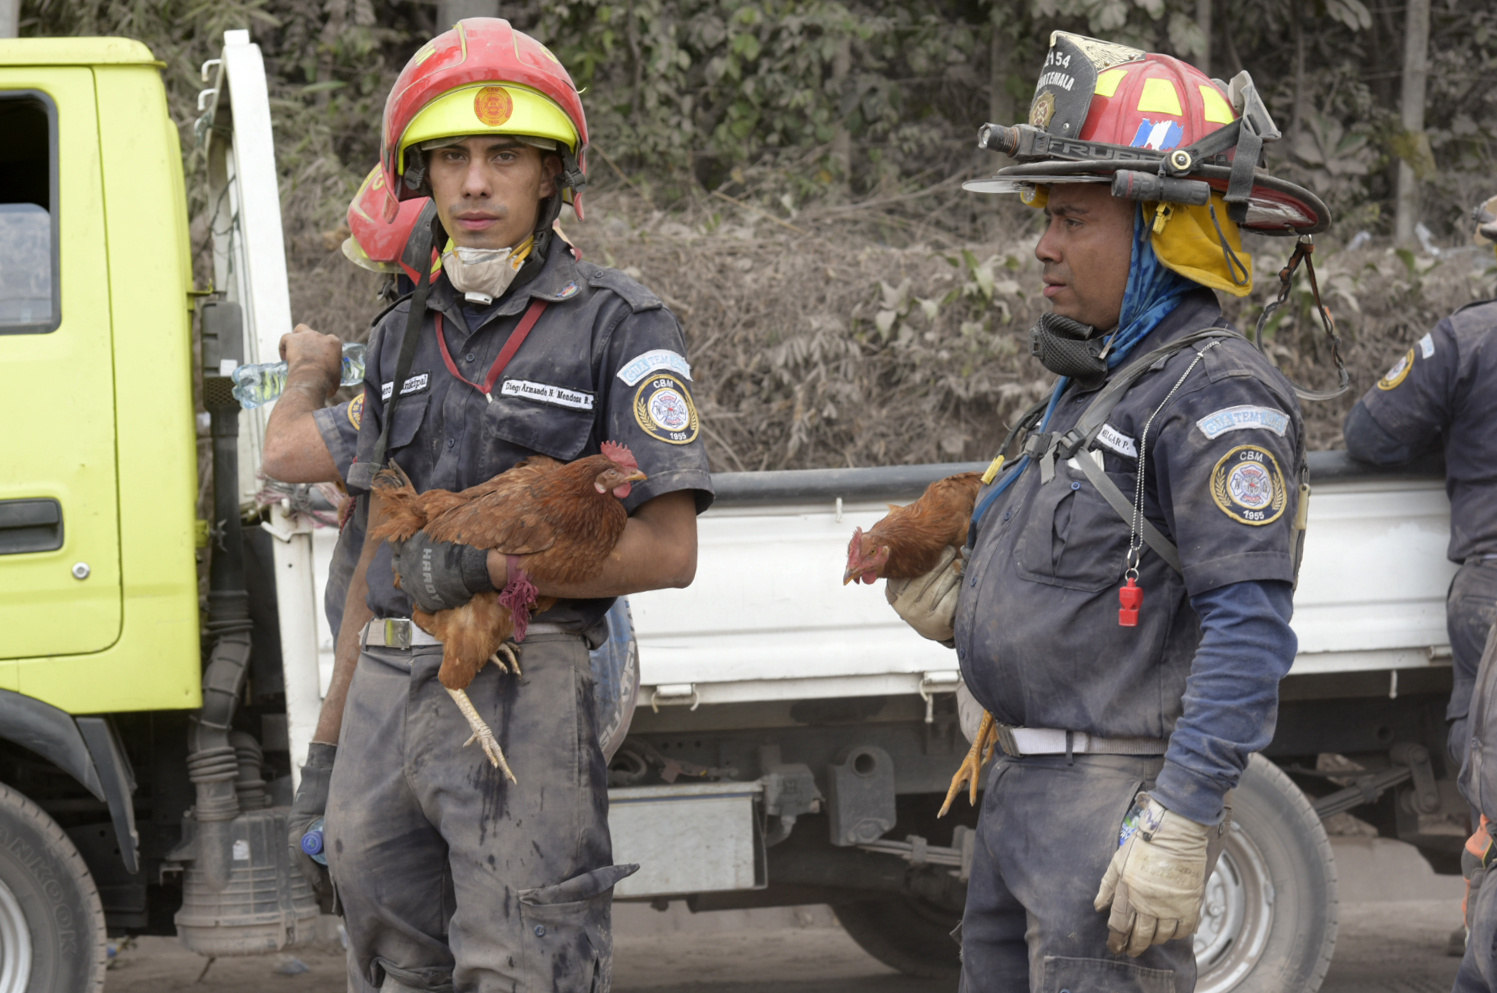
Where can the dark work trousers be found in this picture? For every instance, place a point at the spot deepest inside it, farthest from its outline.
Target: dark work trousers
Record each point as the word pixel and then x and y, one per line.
pixel 1048 828
pixel 1470 609
pixel 452 878
pixel 1478 972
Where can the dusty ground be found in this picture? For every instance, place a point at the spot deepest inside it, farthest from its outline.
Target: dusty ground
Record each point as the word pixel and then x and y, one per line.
pixel 1395 918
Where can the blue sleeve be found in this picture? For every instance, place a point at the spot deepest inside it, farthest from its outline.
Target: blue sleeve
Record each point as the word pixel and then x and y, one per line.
pixel 339 427
pixel 1405 414
pixel 1368 441
pixel 1231 697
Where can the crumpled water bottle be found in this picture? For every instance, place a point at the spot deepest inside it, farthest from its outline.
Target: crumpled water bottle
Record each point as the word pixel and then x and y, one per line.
pixel 262 382
pixel 311 843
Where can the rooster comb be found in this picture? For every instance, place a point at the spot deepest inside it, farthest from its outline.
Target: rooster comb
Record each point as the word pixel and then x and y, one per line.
pixel 619 454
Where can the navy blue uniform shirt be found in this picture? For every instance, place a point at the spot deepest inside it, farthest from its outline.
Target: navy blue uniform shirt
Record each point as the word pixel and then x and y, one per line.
pixel 1442 396
pixel 605 362
pixel 1037 628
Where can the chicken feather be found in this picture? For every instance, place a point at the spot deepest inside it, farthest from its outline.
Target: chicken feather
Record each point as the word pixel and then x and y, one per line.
pixel 565 518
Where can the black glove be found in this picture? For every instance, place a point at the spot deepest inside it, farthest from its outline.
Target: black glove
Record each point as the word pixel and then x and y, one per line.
pixel 440 575
pixel 311 803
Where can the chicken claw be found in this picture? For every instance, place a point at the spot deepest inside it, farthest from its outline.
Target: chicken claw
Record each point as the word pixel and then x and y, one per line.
pixel 482 734
pixel 967 774
pixel 507 657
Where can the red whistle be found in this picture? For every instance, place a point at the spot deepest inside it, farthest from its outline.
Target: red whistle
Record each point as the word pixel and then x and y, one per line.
pixel 1130 598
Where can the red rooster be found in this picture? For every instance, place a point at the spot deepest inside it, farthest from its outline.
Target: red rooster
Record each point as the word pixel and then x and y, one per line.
pixel 565 518
pixel 909 542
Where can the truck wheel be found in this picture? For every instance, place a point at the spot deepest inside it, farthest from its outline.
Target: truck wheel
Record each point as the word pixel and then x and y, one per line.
pixel 904 933
pixel 1269 919
pixel 52 937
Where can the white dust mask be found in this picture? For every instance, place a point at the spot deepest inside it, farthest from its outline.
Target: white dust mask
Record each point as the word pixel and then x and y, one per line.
pixel 482 275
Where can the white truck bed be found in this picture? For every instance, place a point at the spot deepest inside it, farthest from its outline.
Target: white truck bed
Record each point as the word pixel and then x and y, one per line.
pixel 768 618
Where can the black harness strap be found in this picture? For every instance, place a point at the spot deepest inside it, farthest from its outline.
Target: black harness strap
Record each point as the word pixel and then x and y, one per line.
pixel 1052 445
pixel 361 474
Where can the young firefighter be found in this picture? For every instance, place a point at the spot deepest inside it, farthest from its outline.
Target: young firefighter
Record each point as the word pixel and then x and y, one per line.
pixel 1124 608
pixel 448 875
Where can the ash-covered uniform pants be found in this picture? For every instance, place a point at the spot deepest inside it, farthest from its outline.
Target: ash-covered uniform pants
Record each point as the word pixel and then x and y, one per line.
pixel 452 878
pixel 1470 609
pixel 1047 830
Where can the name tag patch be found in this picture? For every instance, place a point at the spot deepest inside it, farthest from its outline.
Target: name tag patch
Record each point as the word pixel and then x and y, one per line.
pixel 1117 441
pixel 560 396
pixel 656 360
pixel 663 409
pixel 1427 345
pixel 418 383
pixel 1248 486
pixel 1244 417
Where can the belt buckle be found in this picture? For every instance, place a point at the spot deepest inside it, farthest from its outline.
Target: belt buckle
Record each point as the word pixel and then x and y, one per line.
pixel 1006 740
pixel 398 633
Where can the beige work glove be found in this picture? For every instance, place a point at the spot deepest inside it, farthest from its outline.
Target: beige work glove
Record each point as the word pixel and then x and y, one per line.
pixel 928 603
pixel 1155 881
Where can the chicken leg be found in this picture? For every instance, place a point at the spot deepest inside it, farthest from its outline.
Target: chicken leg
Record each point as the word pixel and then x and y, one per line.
pixel 983 743
pixel 482 733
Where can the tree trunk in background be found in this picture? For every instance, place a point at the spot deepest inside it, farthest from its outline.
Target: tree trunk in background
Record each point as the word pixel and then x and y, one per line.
pixel 1000 108
pixel 449 12
pixel 1297 108
pixel 1414 144
pixel 1203 21
pixel 10 17
pixel 841 153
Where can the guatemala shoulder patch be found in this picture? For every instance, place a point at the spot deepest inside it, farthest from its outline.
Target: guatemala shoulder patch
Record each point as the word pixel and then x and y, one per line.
pixel 356 410
pixel 1398 373
pixel 663 408
pixel 1243 417
pixel 1248 486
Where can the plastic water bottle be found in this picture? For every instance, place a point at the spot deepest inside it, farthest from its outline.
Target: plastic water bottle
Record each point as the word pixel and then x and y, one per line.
pixel 311 843
pixel 1128 829
pixel 262 382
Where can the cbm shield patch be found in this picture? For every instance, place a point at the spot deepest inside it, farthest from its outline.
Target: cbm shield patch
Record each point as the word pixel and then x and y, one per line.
pixel 1398 373
pixel 663 408
pixel 1248 486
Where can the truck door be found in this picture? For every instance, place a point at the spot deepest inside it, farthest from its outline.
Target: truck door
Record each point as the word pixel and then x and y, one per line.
pixel 59 520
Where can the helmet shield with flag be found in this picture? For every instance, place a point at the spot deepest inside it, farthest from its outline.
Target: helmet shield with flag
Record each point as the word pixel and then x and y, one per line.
pixel 481 77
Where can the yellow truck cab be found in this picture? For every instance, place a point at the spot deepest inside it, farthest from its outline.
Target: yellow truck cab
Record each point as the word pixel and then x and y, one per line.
pixel 144 766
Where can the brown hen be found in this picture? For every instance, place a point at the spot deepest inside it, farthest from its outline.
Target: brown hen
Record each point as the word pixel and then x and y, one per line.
pixel 909 540
pixel 907 543
pixel 565 518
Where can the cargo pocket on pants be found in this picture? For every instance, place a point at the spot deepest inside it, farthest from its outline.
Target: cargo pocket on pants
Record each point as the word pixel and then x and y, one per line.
pixel 567 939
pixel 1071 975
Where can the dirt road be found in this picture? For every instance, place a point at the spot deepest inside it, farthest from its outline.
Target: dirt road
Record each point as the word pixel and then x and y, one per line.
pixel 1395 918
